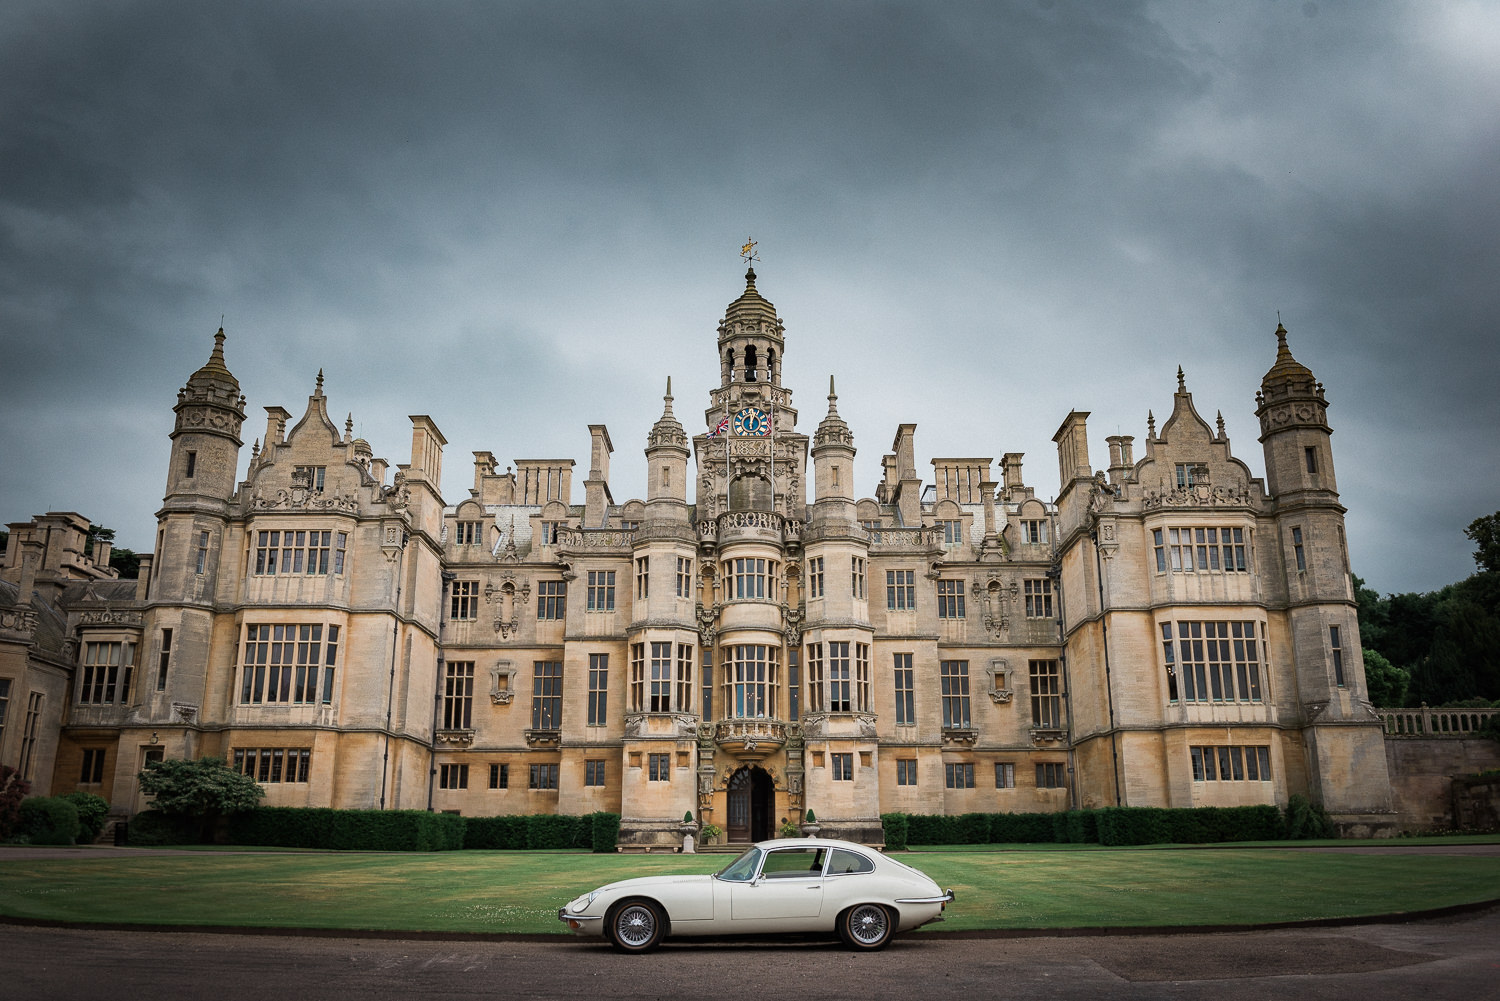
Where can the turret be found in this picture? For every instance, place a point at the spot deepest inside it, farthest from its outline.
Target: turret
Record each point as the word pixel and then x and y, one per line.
pixel 1294 430
pixel 833 455
pixel 201 478
pixel 667 456
pixel 206 437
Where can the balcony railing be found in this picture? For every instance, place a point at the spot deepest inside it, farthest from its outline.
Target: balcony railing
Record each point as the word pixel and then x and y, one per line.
pixel 1425 722
pixel 750 738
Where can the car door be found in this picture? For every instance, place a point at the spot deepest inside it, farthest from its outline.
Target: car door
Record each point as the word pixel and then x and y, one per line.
pixel 786 895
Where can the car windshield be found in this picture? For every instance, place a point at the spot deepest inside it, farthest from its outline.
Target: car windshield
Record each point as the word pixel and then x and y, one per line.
pixel 742 869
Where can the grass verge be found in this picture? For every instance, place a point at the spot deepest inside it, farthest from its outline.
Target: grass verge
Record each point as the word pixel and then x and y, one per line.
pixel 519 892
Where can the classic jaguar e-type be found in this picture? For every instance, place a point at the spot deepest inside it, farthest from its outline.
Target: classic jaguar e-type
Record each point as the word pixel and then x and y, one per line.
pixel 795 885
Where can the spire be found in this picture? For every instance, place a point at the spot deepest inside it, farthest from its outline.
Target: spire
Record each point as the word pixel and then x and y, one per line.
pixel 831 429
pixel 214 380
pixel 667 431
pixel 1287 370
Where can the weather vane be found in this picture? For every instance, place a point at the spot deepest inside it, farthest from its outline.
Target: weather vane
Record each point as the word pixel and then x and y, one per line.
pixel 748 251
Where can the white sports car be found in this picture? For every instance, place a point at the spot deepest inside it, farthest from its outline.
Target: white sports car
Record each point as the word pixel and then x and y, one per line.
pixel 789 885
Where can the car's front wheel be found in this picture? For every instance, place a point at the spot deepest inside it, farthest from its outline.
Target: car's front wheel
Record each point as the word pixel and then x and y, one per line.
pixel 866 927
pixel 635 926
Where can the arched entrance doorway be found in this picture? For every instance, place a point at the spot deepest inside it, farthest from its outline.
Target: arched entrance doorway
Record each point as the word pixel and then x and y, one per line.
pixel 752 800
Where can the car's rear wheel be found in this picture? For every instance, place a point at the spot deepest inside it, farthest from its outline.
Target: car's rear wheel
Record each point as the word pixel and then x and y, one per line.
pixel 867 927
pixel 635 926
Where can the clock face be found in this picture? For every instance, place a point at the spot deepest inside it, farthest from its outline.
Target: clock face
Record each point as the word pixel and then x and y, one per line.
pixel 752 421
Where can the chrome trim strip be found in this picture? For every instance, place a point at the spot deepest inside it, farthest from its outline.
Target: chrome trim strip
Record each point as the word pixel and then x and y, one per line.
pixel 945 898
pixel 563 915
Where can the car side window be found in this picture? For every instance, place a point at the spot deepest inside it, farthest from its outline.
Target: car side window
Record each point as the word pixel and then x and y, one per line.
pixel 742 869
pixel 787 863
pixel 845 862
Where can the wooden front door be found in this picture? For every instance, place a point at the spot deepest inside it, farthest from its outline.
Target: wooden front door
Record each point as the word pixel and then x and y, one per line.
pixel 751 800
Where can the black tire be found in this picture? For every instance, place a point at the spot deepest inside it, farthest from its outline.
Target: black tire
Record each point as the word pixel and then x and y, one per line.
pixel 867 927
pixel 635 926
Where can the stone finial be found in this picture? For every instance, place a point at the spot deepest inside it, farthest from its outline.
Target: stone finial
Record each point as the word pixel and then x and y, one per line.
pixel 1181 381
pixel 349 427
pixel 1220 423
pixel 319 390
pixel 1150 424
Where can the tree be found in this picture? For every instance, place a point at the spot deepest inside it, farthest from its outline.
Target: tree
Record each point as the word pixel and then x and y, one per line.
pixel 1485 533
pixel 13 789
pixel 205 788
pixel 1387 683
pixel 127 562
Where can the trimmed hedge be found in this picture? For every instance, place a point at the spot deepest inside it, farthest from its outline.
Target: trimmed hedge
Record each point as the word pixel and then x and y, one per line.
pixel 1133 825
pixel 895 827
pixel 604 831
pixel 347 830
pixel 152 828
pixel 48 820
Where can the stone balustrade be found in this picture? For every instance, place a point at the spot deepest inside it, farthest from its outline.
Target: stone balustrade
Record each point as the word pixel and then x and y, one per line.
pixel 750 739
pixel 1425 722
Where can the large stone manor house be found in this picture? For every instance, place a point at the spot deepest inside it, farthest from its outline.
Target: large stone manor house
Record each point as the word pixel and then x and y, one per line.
pixel 751 639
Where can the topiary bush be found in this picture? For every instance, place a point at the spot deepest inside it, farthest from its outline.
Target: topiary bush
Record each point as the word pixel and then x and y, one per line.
pixel 93 811
pixel 48 820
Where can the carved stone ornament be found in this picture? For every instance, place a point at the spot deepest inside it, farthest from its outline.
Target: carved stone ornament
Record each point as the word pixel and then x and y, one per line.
pixel 999 672
pixel 502 683
pixel 454 738
pixel 1197 495
pixel 109 617
pixel 184 711
pixel 17 620
pixel 303 499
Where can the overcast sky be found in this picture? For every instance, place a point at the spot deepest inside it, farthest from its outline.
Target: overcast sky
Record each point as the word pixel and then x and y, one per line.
pixel 520 218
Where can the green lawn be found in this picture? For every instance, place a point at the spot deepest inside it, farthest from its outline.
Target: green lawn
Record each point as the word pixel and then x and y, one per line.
pixel 520 892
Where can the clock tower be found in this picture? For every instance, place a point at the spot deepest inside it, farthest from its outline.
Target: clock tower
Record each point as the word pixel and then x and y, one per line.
pixel 751 458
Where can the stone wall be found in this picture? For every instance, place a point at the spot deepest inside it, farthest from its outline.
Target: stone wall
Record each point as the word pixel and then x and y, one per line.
pixel 1423 772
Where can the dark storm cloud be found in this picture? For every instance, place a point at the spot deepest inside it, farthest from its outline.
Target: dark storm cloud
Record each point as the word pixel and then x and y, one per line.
pixel 520 218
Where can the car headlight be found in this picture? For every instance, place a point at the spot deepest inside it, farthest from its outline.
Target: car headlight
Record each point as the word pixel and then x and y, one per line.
pixel 583 902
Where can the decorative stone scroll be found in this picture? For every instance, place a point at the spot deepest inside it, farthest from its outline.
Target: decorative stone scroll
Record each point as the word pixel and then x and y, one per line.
pixel 1200 495
pixel 109 617
pixel 303 499
pixel 594 538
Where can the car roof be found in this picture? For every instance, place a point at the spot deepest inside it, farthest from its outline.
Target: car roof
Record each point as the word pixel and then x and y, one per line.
pixel 775 843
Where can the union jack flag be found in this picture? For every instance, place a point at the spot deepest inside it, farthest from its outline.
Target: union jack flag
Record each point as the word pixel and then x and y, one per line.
pixel 723 426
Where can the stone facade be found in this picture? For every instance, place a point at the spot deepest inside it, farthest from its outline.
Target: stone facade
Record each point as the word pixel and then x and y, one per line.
pixel 750 640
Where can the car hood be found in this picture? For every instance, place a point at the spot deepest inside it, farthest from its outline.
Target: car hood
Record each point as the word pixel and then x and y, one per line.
pixel 644 881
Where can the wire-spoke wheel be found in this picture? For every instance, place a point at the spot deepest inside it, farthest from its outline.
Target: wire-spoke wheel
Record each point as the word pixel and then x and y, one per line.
pixel 866 926
pixel 636 926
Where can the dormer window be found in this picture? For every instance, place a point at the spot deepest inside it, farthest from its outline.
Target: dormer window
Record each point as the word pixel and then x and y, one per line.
pixel 308 477
pixel 1191 474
